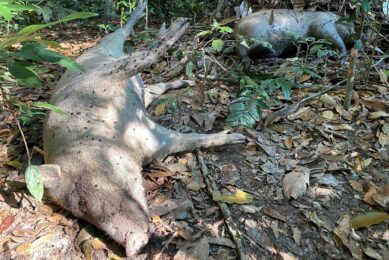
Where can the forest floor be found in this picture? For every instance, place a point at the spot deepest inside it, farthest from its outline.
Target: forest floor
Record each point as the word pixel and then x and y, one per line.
pixel 293 190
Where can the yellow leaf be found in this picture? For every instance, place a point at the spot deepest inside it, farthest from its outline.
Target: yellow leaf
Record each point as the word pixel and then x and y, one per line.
pixel 368 219
pixel 239 197
pixel 358 164
pixel 112 256
pixel 159 109
pixel 24 249
pixel 87 250
pixel 97 244
pixel 155 219
pixel 16 164
pixel 39 150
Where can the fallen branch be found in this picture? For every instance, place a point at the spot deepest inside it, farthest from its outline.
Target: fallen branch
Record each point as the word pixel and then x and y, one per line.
pixel 212 188
pixel 284 112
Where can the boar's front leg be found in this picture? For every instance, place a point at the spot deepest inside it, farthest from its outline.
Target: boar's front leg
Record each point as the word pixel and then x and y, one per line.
pixel 243 53
pixel 170 142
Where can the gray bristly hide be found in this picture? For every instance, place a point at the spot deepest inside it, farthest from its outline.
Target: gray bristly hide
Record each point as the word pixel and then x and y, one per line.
pixel 94 154
pixel 273 27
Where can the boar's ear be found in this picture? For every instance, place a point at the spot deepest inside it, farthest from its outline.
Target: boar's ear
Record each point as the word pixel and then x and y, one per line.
pixel 51 175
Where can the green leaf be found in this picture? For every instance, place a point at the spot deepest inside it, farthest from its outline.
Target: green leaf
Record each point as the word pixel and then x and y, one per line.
pixel 285 86
pixel 36 27
pixel 7 42
pixel 215 24
pixel 365 5
pixel 203 33
pixel 226 29
pixel 23 73
pixel 34 182
pixel 6 13
pixel 38 50
pixel 189 70
pixel 358 44
pixel 20 7
pixel 217 44
pixel 27 52
pixel 49 107
pixel 312 73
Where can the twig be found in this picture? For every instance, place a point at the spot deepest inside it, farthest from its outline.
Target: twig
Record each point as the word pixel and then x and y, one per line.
pixel 217 78
pixel 350 78
pixel 211 185
pixel 10 107
pixel 289 109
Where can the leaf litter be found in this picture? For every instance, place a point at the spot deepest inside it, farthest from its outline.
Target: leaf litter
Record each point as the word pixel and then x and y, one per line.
pixel 313 182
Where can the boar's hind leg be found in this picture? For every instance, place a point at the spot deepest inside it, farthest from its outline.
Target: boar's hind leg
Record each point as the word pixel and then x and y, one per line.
pixel 155 90
pixel 243 53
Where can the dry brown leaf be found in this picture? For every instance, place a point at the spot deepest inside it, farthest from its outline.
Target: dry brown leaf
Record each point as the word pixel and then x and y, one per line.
pixel 356 185
pixel 342 237
pixel 312 216
pixel 328 101
pixel 383 139
pixel 25 231
pixel 198 251
pixel 160 174
pixel 369 251
pixel 375 105
pixel 40 243
pixel 288 142
pixel 160 208
pixel 338 127
pixel 358 164
pixel 328 114
pixel 295 183
pixel 378 114
pixel 297 236
pixel 368 219
pixel 385 128
pixel 6 223
pixel 368 198
pixel 274 213
pixel 382 196
pixel 383 76
pixel 304 78
pixel 286 256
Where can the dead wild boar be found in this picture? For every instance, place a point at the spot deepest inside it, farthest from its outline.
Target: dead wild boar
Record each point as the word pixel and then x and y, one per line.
pixel 276 27
pixel 94 154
